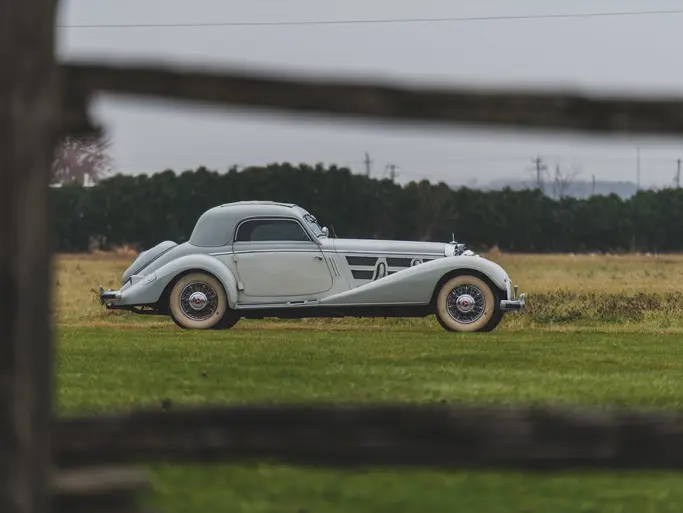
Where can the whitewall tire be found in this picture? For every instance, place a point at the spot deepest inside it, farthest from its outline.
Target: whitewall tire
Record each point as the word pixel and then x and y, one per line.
pixel 467 303
pixel 198 301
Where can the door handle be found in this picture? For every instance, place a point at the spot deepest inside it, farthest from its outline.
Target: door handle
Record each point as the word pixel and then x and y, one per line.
pixel 317 257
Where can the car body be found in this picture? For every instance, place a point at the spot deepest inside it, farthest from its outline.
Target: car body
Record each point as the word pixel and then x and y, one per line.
pixel 257 259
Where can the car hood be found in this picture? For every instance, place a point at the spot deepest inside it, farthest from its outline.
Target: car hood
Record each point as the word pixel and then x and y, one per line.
pixel 437 249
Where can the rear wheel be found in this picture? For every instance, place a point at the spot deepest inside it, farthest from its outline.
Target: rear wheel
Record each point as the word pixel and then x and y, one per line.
pixel 198 301
pixel 467 303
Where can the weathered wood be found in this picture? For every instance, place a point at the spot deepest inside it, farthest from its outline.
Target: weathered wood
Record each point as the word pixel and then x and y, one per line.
pixel 99 490
pixel 76 120
pixel 525 438
pixel 30 106
pixel 557 110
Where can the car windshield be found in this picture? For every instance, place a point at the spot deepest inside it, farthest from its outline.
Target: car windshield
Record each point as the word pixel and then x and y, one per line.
pixel 313 223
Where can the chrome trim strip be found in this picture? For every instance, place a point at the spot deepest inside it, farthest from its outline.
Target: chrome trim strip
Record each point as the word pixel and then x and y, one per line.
pixel 372 268
pixel 387 253
pixel 308 250
pixel 287 250
pixel 291 304
pixel 333 264
pixel 269 218
pixel 330 251
pixel 315 302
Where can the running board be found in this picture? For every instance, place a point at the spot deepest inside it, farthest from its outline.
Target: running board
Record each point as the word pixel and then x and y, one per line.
pixel 289 304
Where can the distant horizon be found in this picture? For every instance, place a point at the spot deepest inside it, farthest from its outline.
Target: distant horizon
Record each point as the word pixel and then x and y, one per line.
pixel 623 188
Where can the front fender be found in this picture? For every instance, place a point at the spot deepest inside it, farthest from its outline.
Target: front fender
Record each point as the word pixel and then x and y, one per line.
pixel 149 289
pixel 492 270
pixel 415 285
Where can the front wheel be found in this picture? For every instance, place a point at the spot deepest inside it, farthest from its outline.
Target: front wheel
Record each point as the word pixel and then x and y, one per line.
pixel 467 304
pixel 198 301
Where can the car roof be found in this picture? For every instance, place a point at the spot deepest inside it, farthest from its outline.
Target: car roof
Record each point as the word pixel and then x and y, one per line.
pixel 256 203
pixel 216 226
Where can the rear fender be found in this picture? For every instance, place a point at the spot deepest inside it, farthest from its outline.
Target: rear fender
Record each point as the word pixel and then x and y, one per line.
pixel 150 289
pixel 147 258
pixel 168 273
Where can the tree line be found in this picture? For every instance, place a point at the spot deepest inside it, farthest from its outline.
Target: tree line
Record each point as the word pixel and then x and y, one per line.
pixel 144 210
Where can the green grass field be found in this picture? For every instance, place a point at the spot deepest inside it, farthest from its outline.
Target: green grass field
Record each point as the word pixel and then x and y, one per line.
pixel 585 342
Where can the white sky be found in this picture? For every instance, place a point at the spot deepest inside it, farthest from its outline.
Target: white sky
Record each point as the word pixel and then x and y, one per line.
pixel 623 53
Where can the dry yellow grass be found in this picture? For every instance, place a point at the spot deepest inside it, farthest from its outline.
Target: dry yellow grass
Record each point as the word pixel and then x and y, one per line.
pixel 77 278
pixel 76 284
pixel 616 274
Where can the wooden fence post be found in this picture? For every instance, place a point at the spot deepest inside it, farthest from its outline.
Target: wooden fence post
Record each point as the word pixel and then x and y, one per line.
pixel 29 119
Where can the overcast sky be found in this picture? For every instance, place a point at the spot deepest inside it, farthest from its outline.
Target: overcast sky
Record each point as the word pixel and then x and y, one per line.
pixel 639 53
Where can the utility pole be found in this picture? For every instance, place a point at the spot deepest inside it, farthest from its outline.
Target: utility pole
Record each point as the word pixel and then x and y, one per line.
pixel 678 174
pixel 593 188
pixel 556 182
pixel 368 164
pixel 392 171
pixel 637 168
pixel 540 169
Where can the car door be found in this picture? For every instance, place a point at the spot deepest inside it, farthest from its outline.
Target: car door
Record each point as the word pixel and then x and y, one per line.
pixel 276 258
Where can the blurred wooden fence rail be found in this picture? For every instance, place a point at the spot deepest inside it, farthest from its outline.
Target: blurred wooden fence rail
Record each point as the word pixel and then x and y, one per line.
pixel 398 435
pixel 41 100
pixel 342 436
pixel 465 105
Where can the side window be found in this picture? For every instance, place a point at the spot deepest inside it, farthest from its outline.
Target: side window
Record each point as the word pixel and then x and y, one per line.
pixel 262 230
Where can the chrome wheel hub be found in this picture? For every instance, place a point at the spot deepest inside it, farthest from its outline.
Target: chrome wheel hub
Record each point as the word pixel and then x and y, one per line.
pixel 465 304
pixel 198 300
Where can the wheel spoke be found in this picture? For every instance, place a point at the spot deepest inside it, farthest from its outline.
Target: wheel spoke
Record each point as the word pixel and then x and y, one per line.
pixel 198 301
pixel 466 303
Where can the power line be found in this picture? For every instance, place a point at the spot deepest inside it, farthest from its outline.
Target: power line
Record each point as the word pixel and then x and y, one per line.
pixel 612 14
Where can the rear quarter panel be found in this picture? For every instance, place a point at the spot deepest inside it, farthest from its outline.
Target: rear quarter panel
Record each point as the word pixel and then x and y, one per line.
pixel 150 289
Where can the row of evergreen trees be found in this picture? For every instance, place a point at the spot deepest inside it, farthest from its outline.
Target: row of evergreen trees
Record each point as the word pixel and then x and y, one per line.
pixel 144 210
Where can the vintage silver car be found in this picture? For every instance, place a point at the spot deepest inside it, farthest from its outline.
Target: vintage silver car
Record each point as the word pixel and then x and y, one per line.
pixel 258 259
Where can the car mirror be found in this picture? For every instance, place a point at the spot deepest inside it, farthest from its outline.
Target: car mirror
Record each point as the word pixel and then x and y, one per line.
pixel 326 232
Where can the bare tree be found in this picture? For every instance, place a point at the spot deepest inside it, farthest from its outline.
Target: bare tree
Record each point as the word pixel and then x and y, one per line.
pixel 81 159
pixel 563 181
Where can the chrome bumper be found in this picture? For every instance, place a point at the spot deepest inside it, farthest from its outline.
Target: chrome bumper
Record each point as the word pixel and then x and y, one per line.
pixel 108 295
pixel 514 304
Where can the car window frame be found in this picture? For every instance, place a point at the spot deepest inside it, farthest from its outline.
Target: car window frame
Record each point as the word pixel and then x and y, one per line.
pixel 272 218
